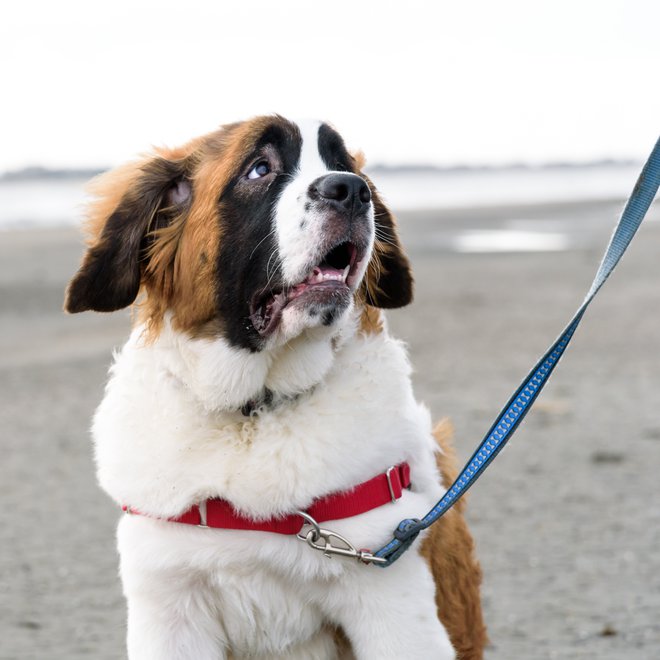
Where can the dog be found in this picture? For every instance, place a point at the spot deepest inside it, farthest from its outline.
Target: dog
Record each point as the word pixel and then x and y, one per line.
pixel 259 381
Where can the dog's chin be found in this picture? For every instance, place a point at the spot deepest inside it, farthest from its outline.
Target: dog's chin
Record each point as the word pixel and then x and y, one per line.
pixel 320 298
pixel 322 306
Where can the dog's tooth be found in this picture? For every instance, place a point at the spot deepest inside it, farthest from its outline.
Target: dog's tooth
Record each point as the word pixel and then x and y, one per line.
pixel 344 275
pixel 315 275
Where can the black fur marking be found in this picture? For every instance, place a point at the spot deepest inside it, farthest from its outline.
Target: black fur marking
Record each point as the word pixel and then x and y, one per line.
pixel 329 317
pixel 253 406
pixel 248 253
pixel 333 151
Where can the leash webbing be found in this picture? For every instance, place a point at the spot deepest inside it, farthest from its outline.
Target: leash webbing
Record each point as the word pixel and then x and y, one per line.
pixel 522 400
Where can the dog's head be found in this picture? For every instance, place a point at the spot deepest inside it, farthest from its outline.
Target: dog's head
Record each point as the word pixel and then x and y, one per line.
pixel 256 233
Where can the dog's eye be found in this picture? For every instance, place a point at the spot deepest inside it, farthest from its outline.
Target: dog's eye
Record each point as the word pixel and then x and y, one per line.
pixel 262 168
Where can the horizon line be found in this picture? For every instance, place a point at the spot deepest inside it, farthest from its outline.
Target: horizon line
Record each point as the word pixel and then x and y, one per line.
pixel 34 172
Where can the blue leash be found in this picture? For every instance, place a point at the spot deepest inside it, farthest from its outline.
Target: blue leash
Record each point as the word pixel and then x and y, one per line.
pixel 520 403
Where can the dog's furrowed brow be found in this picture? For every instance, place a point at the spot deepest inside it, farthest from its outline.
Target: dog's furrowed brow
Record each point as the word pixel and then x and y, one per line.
pixel 283 139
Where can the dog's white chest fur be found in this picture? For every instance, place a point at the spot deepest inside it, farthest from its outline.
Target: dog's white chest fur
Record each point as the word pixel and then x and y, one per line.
pixel 159 450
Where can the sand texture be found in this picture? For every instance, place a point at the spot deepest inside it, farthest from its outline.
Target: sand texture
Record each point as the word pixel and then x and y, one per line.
pixel 567 520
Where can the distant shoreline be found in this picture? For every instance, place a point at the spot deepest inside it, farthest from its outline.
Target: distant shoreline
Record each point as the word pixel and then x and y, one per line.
pixel 38 173
pixel 506 167
pixel 41 173
pixel 40 197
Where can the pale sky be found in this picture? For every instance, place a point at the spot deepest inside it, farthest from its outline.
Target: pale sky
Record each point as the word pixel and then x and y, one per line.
pixel 91 83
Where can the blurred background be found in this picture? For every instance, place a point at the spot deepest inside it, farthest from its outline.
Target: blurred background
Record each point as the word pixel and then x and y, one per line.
pixel 505 135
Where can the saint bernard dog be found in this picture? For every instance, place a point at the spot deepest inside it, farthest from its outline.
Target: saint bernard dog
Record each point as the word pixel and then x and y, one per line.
pixel 260 380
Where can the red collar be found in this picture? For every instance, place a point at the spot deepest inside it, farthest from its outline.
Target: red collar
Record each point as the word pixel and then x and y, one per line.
pixel 386 487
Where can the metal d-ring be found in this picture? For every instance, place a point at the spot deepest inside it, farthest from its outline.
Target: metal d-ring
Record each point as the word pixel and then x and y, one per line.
pixel 314 525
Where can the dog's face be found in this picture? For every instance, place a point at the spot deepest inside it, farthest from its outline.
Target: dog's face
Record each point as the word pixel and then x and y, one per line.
pixel 256 233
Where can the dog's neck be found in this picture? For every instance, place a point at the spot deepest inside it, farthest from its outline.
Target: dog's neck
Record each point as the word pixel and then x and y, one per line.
pixel 223 378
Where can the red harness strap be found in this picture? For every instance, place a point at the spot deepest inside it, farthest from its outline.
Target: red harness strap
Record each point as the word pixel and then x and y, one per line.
pixel 386 487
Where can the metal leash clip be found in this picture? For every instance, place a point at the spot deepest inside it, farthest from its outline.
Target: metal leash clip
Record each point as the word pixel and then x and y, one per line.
pixel 330 543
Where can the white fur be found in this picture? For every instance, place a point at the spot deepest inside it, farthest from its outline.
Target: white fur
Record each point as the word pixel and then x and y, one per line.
pixel 197 593
pixel 297 244
pixel 168 435
pixel 299 231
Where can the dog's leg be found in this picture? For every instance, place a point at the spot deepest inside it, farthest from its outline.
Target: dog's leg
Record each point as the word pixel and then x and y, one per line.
pixel 155 633
pixel 325 645
pixel 161 631
pixel 171 615
pixel 390 613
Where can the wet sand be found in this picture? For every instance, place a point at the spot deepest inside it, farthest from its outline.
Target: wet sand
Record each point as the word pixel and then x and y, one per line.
pixel 567 520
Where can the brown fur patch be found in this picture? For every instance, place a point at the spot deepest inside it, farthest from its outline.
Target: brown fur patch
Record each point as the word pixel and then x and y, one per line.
pixel 449 550
pixel 371 321
pixel 179 275
pixel 360 160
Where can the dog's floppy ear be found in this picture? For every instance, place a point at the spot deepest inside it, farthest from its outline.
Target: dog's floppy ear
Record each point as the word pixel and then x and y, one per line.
pixel 389 282
pixel 130 201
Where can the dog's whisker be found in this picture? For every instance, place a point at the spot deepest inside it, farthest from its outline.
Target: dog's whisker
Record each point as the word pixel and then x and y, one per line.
pixel 277 267
pixel 385 239
pixel 268 235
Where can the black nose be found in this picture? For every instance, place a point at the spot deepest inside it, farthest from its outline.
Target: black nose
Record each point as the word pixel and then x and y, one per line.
pixel 348 191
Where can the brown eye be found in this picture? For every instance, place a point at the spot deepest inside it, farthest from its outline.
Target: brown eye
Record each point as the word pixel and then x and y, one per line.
pixel 261 169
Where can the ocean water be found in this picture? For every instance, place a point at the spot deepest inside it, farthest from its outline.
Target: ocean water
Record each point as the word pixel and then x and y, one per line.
pixel 47 202
pixel 407 190
pixel 41 203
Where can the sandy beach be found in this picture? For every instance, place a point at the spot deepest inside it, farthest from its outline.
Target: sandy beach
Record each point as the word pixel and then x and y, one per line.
pixel 567 521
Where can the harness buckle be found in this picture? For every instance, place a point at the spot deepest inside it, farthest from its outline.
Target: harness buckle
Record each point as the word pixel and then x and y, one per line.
pixel 330 543
pixel 201 507
pixel 388 474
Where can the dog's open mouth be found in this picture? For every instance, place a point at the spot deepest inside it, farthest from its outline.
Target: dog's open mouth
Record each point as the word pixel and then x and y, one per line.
pixel 329 282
